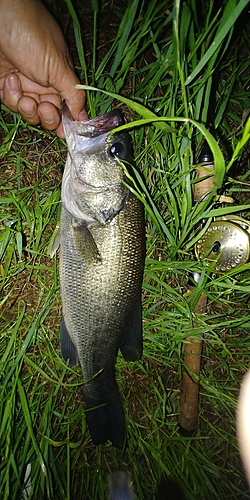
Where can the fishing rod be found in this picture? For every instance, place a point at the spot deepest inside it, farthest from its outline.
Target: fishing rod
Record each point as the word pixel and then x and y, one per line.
pixel 192 349
pixel 226 242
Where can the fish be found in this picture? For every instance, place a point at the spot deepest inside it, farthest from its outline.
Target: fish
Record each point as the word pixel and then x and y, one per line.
pixel 101 263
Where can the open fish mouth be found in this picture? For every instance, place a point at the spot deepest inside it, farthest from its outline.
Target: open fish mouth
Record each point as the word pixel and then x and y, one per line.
pixel 91 169
pixel 92 128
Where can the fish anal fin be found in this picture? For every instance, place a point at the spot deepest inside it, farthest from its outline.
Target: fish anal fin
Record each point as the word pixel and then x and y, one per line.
pixel 132 345
pixel 68 350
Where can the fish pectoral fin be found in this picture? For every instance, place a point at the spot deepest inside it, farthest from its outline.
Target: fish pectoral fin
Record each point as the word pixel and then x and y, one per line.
pixel 68 350
pixel 85 244
pixel 56 242
pixel 132 345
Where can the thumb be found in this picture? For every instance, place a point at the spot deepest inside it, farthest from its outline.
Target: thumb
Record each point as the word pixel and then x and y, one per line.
pixel 74 98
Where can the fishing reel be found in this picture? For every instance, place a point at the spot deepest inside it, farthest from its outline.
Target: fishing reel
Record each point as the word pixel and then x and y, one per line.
pixel 226 242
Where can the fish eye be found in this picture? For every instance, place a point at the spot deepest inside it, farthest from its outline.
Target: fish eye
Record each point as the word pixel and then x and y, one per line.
pixel 117 150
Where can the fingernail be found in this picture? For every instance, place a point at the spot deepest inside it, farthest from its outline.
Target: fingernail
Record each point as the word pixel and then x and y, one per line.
pixel 29 112
pixel 13 83
pixel 49 119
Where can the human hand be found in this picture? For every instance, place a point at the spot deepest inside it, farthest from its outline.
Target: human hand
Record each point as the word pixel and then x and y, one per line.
pixel 242 419
pixel 35 68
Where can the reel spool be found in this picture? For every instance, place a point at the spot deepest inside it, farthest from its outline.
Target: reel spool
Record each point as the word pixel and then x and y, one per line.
pixel 226 242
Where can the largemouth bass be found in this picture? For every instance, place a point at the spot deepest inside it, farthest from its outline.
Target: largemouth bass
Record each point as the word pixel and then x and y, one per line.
pixel 101 267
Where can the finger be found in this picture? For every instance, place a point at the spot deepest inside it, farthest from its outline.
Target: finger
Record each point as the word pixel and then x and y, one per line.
pixel 52 98
pixel 30 86
pixel 60 131
pixel 75 101
pixel 12 91
pixel 49 115
pixel 27 106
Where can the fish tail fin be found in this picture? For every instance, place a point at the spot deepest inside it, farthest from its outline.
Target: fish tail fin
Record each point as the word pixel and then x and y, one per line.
pixel 105 419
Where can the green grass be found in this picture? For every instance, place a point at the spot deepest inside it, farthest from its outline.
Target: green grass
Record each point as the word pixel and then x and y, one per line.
pixel 188 66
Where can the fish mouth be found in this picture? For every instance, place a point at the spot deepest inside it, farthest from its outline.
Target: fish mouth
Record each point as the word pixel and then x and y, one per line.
pixel 95 127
